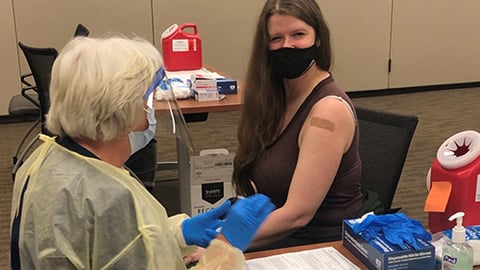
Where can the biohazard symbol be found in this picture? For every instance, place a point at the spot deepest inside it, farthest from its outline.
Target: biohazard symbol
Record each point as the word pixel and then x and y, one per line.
pixel 461 149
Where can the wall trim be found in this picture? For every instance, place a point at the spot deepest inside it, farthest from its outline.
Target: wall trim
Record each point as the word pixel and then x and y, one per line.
pixel 356 94
pixel 410 89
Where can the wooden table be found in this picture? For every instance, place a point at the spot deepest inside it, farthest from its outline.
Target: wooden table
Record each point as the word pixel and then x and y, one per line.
pixel 230 103
pixel 336 244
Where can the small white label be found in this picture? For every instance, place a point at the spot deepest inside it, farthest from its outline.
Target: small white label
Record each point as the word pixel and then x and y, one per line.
pixel 477 193
pixel 180 45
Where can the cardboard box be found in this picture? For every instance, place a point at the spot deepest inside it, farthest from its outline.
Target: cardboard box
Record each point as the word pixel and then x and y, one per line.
pixel 203 83
pixel 222 85
pixel 226 86
pixel 205 95
pixel 210 179
pixel 381 255
pixel 204 88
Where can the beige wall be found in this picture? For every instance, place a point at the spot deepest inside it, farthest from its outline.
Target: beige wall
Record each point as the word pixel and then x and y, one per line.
pixel 9 70
pixel 435 42
pixel 360 41
pixel 429 42
pixel 226 28
pixel 52 23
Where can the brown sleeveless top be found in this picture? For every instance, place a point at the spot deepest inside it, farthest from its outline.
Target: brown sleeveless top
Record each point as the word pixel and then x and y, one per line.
pixel 272 174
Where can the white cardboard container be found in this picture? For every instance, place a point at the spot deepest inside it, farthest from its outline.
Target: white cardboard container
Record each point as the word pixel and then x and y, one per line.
pixel 210 179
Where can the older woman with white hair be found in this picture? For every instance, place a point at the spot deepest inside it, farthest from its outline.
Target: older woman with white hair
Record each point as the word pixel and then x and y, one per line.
pixel 76 206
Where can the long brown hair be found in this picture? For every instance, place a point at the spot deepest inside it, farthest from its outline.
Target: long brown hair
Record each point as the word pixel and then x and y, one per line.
pixel 264 93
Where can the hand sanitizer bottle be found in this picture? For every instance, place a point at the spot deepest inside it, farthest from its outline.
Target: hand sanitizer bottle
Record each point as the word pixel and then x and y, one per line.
pixel 457 254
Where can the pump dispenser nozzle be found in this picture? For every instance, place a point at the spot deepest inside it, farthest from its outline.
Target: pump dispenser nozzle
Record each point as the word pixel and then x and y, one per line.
pixel 457 253
pixel 458 232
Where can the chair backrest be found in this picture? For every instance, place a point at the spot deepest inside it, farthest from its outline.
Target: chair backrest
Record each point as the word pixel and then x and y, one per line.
pixel 384 142
pixel 40 61
pixel 81 31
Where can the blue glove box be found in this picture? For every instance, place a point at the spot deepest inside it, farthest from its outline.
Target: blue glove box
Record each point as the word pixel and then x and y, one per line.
pixel 380 254
pixel 226 86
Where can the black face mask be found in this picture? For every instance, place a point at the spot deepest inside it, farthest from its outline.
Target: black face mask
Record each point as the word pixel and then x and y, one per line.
pixel 290 63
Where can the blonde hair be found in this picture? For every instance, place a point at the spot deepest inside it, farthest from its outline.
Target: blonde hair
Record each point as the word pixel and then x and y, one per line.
pixel 97 86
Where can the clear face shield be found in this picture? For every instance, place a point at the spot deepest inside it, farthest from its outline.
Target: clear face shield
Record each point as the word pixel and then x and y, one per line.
pixel 169 107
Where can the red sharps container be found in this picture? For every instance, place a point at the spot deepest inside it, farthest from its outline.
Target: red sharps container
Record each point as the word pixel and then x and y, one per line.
pixel 453 182
pixel 182 47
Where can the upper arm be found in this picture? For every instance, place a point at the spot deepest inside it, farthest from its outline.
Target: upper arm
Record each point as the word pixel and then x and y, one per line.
pixel 325 136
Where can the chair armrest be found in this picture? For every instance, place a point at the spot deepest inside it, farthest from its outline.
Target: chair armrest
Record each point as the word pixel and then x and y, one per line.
pixel 28 87
pixel 24 81
pixel 31 97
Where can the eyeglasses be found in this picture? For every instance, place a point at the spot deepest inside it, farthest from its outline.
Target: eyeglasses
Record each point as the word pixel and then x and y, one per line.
pixel 179 125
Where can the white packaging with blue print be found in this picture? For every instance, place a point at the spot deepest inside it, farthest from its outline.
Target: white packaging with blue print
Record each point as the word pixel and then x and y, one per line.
pixel 210 180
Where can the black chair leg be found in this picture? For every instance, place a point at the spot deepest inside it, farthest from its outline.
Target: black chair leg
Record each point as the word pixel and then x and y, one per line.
pixel 23 155
pixel 15 156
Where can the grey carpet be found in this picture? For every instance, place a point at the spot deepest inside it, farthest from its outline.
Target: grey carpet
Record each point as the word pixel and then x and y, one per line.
pixel 441 114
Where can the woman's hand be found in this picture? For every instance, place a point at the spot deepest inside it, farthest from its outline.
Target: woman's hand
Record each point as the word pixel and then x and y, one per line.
pixel 194 257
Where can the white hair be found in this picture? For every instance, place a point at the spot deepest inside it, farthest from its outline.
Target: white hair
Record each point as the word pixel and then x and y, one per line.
pixel 97 86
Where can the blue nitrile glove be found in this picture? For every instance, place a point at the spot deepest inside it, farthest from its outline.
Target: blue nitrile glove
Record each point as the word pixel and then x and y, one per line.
pixel 201 229
pixel 398 234
pixel 244 218
pixel 397 229
pixel 406 230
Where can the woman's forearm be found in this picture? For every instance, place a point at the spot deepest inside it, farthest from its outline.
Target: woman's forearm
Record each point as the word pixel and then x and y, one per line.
pixel 279 224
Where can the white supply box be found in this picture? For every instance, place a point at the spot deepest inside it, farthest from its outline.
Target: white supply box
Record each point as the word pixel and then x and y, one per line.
pixel 205 95
pixel 201 82
pixel 204 87
pixel 210 179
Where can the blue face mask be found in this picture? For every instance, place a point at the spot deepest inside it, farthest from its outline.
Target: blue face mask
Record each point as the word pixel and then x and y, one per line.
pixel 140 139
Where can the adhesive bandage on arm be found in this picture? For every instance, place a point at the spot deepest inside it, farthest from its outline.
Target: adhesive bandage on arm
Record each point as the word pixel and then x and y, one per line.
pixel 322 123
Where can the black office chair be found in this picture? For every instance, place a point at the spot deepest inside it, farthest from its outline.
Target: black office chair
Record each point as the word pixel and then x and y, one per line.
pixel 81 31
pixel 25 103
pixel 384 142
pixel 29 103
pixel 25 106
pixel 40 61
